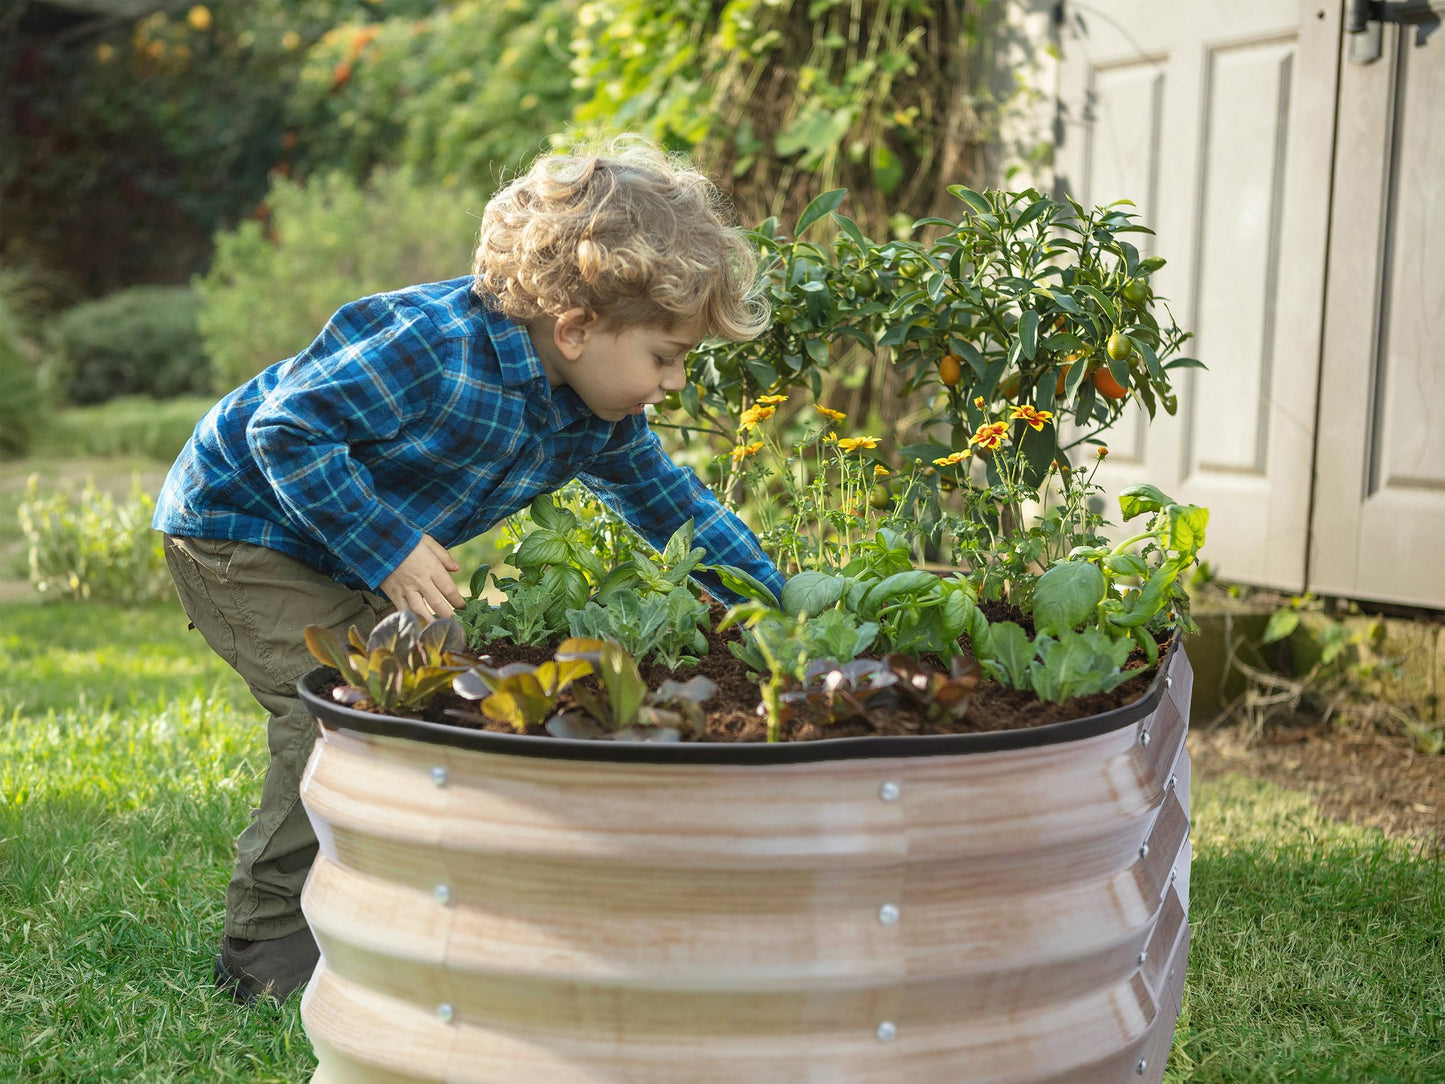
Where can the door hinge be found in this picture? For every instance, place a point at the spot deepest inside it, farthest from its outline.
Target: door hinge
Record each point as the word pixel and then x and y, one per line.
pixel 1365 19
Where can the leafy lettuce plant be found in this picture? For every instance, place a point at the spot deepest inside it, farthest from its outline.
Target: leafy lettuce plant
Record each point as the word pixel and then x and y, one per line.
pixel 519 694
pixel 401 664
pixel 839 692
pixel 666 627
pixel 628 711
pixel 936 694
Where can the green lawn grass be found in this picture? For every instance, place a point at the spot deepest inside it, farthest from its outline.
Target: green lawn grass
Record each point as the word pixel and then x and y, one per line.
pixel 129 756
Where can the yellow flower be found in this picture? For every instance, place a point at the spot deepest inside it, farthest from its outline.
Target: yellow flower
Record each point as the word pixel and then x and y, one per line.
pixel 199 17
pixel 978 402
pixel 879 470
pixel 1103 452
pixel 952 458
pixel 742 451
pixel 852 444
pixel 755 414
pixel 104 53
pixel 831 415
pixel 1035 418
pixel 990 436
pixel 772 399
pixel 290 40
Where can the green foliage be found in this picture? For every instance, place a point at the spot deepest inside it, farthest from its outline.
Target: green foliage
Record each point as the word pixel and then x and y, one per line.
pixel 129 425
pixel 130 144
pixel 668 628
pixel 400 665
pixel 93 547
pixel 790 98
pixel 327 243
pixel 138 341
pixel 459 96
pixel 24 402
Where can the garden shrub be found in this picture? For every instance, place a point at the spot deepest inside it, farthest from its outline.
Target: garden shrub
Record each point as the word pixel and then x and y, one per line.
pixel 139 341
pixel 93 547
pixel 271 289
pixel 128 425
pixel 23 397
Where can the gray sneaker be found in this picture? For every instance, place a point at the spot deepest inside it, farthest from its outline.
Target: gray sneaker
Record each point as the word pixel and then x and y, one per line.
pixel 248 970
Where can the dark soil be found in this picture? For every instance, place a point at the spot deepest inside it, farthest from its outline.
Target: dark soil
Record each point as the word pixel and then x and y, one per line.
pixel 734 711
pixel 1355 773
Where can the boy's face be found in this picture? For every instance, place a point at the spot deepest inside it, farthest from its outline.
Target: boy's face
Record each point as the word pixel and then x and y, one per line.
pixel 616 373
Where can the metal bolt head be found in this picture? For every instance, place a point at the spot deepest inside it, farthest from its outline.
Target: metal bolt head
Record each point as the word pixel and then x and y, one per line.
pixel 1141 958
pixel 446 1012
pixel 886 1032
pixel 888 914
pixel 1173 781
pixel 1173 875
pixel 1141 1067
pixel 1144 739
pixel 1144 850
pixel 889 791
pixel 439 776
pixel 443 894
pixel 1168 681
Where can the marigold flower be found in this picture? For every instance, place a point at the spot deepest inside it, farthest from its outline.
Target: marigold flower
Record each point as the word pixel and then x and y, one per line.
pixel 978 402
pixel 1103 452
pixel 1035 418
pixel 879 470
pixel 755 414
pixel 952 458
pixel 990 436
pixel 772 399
pixel 852 444
pixel 742 451
pixel 831 415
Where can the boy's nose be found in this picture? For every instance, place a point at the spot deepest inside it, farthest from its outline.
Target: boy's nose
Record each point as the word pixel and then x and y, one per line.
pixel 674 378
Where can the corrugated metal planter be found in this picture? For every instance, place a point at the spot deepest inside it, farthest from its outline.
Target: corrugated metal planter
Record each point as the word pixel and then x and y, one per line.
pixel 1001 907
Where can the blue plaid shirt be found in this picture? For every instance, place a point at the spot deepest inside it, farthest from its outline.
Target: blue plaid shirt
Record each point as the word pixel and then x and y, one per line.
pixel 421 411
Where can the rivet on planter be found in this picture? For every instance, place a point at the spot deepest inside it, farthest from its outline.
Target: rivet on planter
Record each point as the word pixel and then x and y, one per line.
pixel 1141 958
pixel 442 893
pixel 1144 849
pixel 1168 681
pixel 889 791
pixel 446 1012
pixel 439 776
pixel 1144 739
pixel 1141 1067
pixel 1173 781
pixel 1173 874
pixel 886 1032
pixel 888 914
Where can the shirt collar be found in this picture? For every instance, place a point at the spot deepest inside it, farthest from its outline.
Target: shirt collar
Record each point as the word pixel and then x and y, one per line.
pixel 552 408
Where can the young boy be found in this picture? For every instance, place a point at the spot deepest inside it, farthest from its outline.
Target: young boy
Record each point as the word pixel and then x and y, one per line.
pixel 327 489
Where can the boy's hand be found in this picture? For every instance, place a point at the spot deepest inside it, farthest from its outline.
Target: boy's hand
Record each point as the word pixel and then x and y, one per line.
pixel 422 583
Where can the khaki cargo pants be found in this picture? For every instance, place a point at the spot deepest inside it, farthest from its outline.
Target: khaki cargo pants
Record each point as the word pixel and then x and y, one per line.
pixel 252 605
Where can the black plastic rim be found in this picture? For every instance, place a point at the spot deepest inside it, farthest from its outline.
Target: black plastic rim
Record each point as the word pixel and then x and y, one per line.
pixel 334 716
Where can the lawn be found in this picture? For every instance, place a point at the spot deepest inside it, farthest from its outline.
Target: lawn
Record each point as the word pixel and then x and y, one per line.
pixel 130 755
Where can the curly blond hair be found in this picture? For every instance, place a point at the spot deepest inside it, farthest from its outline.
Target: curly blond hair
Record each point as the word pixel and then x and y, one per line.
pixel 627 232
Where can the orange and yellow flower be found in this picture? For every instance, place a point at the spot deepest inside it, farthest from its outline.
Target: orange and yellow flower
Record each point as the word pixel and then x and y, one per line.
pixel 952 458
pixel 879 470
pixel 990 436
pixel 831 415
pixel 1035 418
pixel 1103 452
pixel 978 402
pixel 755 414
pixel 852 444
pixel 742 451
pixel 772 400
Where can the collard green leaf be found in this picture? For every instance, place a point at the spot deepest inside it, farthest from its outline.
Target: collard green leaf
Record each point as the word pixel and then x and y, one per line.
pixel 812 592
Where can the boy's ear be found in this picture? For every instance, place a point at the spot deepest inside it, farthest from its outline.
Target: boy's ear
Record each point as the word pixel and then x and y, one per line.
pixel 570 331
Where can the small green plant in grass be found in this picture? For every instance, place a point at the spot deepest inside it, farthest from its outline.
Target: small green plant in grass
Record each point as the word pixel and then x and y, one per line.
pixel 93 546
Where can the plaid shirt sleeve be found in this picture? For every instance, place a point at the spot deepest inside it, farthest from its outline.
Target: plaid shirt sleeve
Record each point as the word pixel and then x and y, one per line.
pixel 636 478
pixel 369 375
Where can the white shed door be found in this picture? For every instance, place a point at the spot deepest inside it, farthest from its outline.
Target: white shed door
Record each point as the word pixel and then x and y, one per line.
pixel 1379 516
pixel 1217 120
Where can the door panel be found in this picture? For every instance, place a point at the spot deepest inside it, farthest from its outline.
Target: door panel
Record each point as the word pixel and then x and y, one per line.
pixel 1217 120
pixel 1380 505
